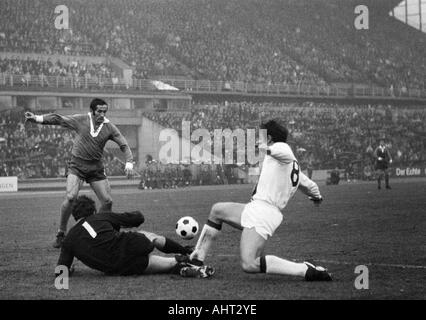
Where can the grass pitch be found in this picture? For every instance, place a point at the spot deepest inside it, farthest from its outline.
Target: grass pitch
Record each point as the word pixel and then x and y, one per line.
pixel 356 225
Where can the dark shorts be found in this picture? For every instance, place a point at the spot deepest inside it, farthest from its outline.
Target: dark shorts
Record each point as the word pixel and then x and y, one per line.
pixel 88 171
pixel 135 257
pixel 381 165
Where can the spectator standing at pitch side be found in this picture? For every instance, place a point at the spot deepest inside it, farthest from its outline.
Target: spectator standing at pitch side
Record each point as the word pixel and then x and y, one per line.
pixel 383 159
pixel 93 130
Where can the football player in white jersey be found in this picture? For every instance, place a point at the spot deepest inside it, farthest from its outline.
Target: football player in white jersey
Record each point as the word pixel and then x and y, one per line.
pixel 279 179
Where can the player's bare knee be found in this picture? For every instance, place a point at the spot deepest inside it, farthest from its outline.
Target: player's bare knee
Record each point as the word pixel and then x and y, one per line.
pixel 249 266
pixel 70 197
pixel 157 240
pixel 157 243
pixel 107 202
pixel 217 213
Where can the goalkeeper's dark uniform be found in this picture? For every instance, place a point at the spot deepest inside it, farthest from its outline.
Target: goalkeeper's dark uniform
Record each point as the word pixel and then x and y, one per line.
pixel 97 242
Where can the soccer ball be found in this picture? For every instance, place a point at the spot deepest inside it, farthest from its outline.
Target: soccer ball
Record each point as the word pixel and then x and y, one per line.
pixel 187 228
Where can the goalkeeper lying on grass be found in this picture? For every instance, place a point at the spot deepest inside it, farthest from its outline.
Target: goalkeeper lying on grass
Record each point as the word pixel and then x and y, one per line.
pixel 96 241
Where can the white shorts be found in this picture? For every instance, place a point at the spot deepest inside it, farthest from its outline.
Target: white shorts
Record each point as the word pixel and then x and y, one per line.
pixel 261 216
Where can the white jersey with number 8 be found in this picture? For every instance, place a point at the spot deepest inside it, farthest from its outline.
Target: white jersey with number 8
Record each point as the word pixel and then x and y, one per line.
pixel 281 176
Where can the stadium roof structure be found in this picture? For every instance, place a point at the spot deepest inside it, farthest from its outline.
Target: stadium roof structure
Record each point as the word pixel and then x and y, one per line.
pixel 412 13
pixel 376 5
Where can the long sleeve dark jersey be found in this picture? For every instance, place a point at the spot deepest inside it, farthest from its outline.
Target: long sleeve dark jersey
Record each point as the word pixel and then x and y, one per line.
pixel 97 242
pixel 88 143
pixel 382 154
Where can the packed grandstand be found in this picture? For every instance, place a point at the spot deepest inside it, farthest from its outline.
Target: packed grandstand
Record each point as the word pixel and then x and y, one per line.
pixel 269 42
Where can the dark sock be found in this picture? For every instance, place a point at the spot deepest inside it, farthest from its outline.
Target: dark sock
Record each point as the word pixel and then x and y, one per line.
pixel 217 226
pixel 262 264
pixel 172 246
pixel 177 267
pixel 106 208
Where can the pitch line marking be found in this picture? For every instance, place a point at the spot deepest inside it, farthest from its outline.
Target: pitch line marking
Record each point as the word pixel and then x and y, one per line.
pixel 391 265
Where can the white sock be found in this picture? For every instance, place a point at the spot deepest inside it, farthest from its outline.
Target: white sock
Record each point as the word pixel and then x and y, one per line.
pixel 208 234
pixel 275 265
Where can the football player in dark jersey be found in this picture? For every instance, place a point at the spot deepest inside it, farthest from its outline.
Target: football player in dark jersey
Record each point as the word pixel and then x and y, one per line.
pixel 96 240
pixel 93 130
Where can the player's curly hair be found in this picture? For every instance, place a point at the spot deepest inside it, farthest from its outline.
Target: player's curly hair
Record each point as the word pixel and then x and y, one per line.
pixel 278 132
pixel 82 207
pixel 96 102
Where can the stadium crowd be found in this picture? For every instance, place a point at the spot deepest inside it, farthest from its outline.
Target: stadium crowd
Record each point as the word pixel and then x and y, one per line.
pixel 290 42
pixel 28 26
pixel 269 41
pixel 389 53
pixel 216 43
pixel 155 175
pixel 324 135
pixel 35 67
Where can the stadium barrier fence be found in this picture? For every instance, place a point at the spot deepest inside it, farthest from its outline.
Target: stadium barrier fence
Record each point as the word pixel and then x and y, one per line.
pixel 207 86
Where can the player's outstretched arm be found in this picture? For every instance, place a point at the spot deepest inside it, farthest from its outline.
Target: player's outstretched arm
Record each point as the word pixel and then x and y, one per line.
pixel 119 139
pixel 131 219
pixel 70 122
pixel 65 259
pixel 31 117
pixel 310 188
